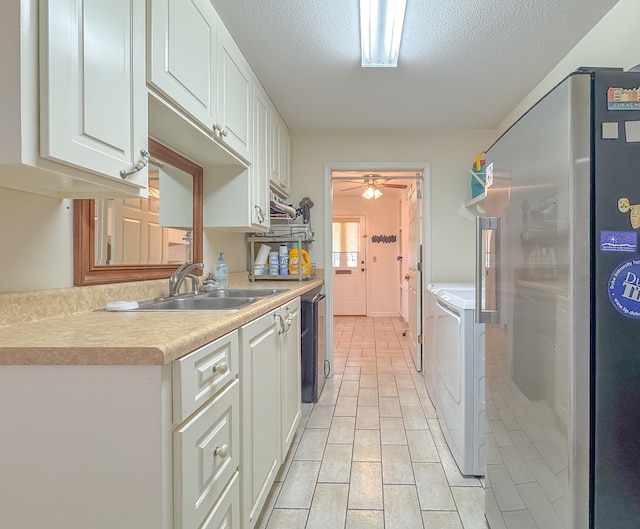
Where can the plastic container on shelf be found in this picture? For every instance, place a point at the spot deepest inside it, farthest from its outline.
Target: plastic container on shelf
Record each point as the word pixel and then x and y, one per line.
pixel 298 257
pixel 283 260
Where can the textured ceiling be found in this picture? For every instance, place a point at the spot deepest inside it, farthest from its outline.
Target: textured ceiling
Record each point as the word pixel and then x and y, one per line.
pixel 463 63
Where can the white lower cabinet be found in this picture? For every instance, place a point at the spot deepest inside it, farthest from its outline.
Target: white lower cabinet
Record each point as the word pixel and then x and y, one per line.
pixel 195 444
pixel 260 383
pixel 271 402
pixel 206 446
pixel 291 389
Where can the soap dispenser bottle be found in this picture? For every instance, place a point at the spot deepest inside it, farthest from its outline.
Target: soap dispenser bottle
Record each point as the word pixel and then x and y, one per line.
pixel 222 274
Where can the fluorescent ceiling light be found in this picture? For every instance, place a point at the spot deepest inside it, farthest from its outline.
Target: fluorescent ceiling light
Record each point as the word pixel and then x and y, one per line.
pixel 381 31
pixel 371 192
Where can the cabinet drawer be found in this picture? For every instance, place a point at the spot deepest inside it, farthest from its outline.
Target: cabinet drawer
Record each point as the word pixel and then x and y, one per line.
pixel 226 513
pixel 206 454
pixel 198 376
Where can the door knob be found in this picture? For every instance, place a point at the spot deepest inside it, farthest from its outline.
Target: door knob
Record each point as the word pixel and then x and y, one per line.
pixel 406 276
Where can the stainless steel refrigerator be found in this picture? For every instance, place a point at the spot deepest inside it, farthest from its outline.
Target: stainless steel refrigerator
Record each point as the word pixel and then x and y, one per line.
pixel 558 283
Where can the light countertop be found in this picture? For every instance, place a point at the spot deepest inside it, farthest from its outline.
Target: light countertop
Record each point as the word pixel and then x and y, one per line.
pixel 131 338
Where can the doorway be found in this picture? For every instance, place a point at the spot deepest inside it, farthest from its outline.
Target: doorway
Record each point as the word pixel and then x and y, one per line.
pixel 386 249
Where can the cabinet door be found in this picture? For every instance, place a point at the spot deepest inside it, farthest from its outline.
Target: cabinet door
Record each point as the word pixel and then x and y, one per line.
pixel 291 397
pixel 260 168
pixel 183 55
pixel 285 162
pixel 260 390
pixel 280 146
pixel 234 96
pixel 92 88
pixel 277 130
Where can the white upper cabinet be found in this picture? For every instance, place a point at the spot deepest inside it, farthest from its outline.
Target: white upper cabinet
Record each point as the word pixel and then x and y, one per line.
pixel 235 198
pixel 234 96
pixel 259 171
pixel 182 64
pixel 74 100
pixel 196 67
pixel 280 152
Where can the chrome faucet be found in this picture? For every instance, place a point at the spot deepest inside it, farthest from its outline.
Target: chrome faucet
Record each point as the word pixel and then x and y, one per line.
pixel 183 271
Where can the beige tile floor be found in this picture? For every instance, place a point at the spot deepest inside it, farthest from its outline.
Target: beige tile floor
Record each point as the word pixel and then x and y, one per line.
pixel 370 454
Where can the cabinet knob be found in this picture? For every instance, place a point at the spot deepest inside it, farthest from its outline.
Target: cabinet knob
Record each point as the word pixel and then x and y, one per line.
pixel 223 132
pixel 221 451
pixel 139 166
pixel 220 368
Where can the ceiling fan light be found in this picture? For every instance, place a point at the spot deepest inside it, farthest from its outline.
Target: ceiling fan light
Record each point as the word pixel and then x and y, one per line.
pixel 381 24
pixel 371 193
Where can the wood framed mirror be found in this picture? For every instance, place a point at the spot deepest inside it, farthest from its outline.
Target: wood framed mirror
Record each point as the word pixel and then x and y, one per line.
pixel 93 249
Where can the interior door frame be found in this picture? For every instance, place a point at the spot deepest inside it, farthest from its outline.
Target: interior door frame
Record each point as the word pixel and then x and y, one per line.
pixel 329 167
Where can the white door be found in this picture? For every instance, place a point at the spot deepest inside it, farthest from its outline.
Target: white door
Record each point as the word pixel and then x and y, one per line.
pixel 349 266
pixel 138 237
pixel 415 272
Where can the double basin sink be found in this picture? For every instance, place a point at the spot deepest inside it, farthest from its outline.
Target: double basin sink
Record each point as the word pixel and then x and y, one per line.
pixel 228 299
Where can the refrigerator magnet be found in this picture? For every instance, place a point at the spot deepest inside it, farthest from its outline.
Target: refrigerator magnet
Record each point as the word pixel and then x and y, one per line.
pixel 618 241
pixel 625 206
pixel 624 288
pixel 623 98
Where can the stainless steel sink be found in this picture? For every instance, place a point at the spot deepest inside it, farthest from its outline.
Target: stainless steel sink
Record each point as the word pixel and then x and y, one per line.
pixel 245 292
pixel 199 302
pixel 227 300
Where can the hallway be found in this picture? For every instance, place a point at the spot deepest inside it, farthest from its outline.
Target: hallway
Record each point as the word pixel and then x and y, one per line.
pixel 370 453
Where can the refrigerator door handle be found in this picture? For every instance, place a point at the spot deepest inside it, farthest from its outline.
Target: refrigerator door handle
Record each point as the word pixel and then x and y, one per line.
pixel 485 258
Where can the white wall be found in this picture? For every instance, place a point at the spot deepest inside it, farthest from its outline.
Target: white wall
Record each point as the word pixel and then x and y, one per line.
pixel 383 269
pixel 234 246
pixel 36 237
pixel 450 154
pixel 612 42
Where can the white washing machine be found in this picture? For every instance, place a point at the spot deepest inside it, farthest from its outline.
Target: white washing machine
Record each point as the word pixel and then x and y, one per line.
pixel 458 375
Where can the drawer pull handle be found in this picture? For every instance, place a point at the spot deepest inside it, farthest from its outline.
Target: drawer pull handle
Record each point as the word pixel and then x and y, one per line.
pixel 221 451
pixel 220 368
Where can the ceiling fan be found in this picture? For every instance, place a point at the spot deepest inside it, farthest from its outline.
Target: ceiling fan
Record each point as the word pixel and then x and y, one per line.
pixel 373 182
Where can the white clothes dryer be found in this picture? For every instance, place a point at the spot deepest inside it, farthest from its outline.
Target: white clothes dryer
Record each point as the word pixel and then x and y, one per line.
pixel 459 374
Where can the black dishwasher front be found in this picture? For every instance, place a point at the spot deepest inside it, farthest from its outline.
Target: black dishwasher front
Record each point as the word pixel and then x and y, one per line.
pixel 315 367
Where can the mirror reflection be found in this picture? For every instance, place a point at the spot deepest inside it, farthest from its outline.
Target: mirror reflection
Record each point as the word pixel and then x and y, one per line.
pixel 136 239
pixel 148 231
